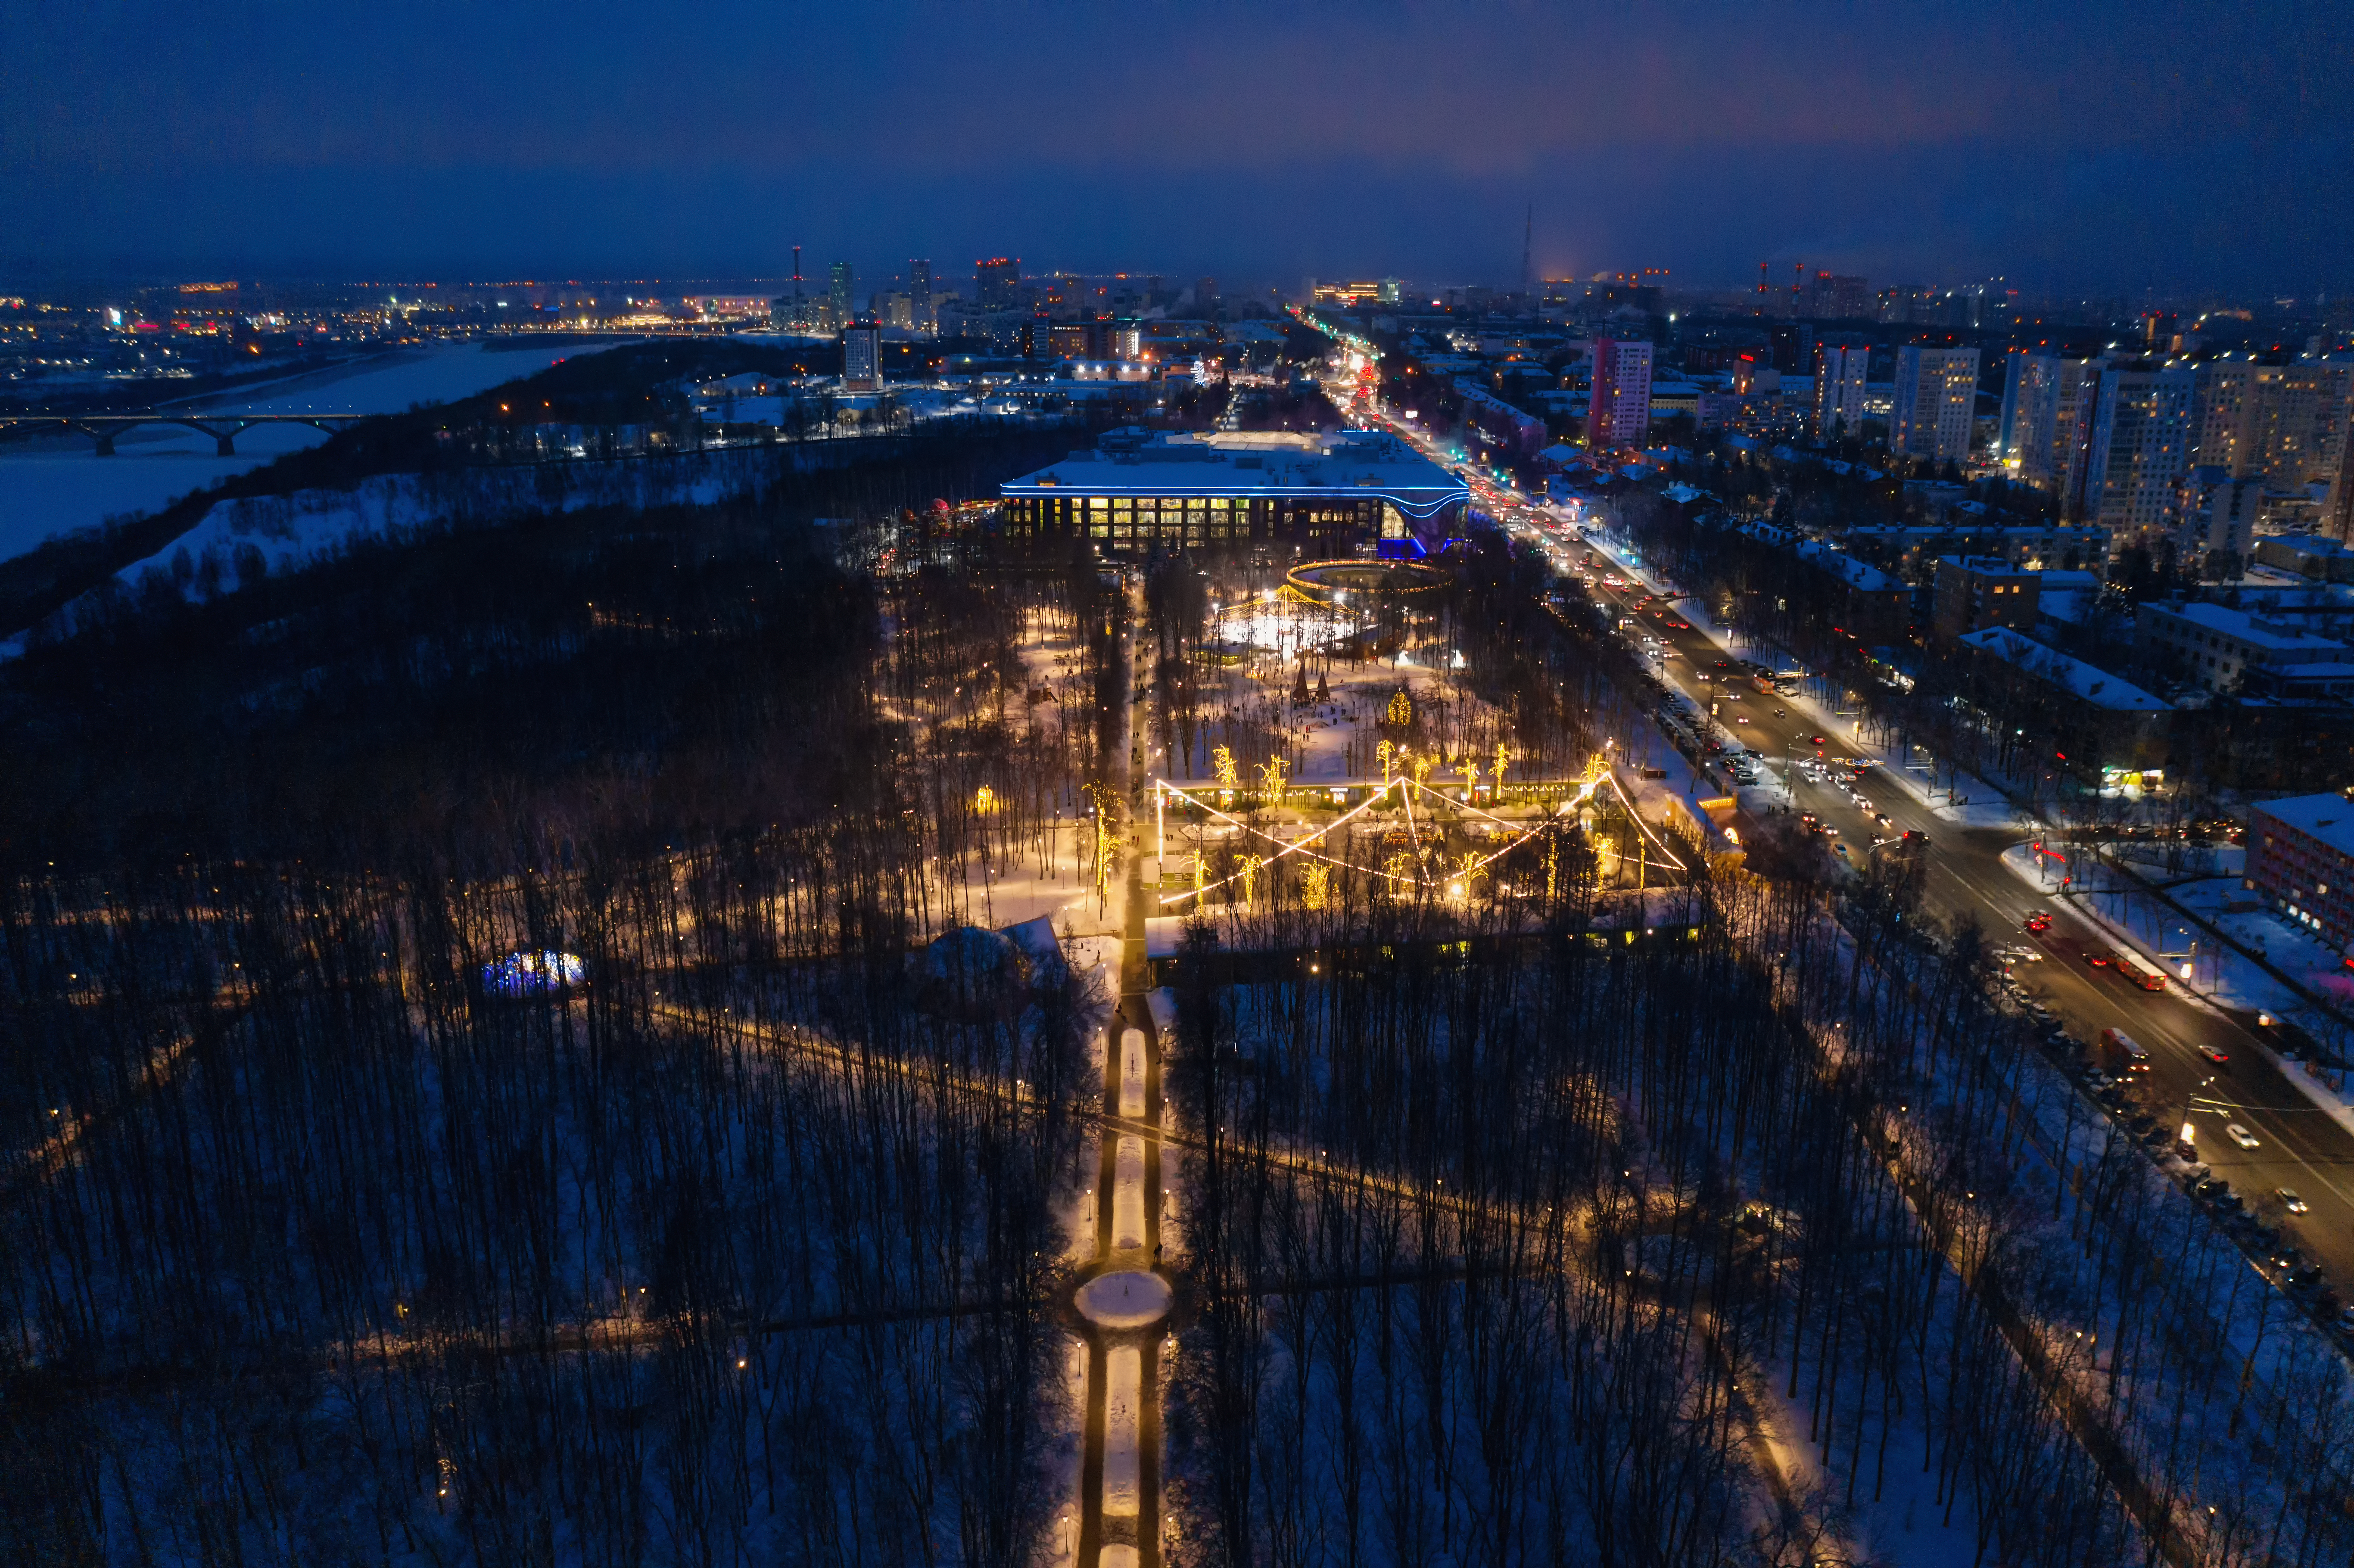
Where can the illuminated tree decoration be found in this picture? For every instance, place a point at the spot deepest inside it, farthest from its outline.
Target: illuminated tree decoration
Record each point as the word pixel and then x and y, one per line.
pixel 1315 880
pixel 1249 866
pixel 1270 778
pixel 1401 714
pixel 1222 759
pixel 1385 751
pixel 1102 797
pixel 1422 767
pixel 1470 771
pixel 1502 757
pixel 986 802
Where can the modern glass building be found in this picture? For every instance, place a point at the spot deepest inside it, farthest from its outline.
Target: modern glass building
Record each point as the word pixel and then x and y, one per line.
pixel 1330 491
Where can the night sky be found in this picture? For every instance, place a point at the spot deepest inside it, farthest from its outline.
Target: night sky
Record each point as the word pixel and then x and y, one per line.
pixel 2111 147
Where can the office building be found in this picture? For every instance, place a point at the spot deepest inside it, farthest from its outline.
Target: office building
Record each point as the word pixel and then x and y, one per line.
pixel 1839 389
pixel 1326 492
pixel 1620 411
pixel 2301 858
pixel 997 284
pixel 862 357
pixel 923 306
pixel 1205 298
pixel 2140 445
pixel 1937 397
pixel 1977 593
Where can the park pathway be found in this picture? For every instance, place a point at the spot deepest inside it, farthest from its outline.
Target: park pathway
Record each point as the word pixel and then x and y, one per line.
pixel 1123 1296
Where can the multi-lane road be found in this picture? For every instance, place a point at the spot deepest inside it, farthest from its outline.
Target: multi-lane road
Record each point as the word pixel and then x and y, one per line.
pixel 2298 1146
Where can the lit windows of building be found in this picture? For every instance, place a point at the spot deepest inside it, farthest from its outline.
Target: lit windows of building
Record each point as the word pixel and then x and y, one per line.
pixel 1324 492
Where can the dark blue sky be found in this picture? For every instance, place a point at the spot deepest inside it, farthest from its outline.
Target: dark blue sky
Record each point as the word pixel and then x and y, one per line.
pixel 2097 146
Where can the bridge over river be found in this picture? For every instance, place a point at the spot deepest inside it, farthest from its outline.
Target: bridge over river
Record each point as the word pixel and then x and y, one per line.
pixel 224 429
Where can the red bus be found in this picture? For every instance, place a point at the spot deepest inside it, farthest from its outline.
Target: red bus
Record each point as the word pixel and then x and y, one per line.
pixel 2125 1053
pixel 2147 975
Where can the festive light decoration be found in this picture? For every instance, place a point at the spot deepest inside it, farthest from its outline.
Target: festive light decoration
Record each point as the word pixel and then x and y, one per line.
pixel 1270 775
pixel 1315 882
pixel 1403 870
pixel 986 802
pixel 1386 750
pixel 1222 762
pixel 1401 713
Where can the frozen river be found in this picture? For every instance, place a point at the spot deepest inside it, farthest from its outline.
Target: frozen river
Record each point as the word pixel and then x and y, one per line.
pixel 52 487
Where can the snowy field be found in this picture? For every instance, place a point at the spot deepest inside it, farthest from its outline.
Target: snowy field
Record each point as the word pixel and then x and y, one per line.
pixel 55 486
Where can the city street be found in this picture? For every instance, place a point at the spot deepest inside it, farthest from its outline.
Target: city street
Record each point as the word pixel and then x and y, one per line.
pixel 2298 1144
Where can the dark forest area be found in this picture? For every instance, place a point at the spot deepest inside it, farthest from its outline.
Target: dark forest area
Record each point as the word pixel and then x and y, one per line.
pixel 325 1242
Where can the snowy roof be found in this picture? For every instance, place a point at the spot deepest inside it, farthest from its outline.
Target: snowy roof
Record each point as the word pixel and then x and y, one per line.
pixel 2094 684
pixel 2330 818
pixel 1341 462
pixel 2239 623
pixel 1848 569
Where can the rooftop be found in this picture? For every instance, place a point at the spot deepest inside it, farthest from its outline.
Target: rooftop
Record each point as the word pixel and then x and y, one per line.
pixel 1860 575
pixel 2330 818
pixel 1132 461
pixel 2256 633
pixel 2094 684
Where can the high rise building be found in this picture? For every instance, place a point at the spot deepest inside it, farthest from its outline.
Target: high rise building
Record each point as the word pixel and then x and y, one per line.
pixel 923 309
pixel 840 304
pixel 1620 412
pixel 997 284
pixel 2050 424
pixel 2210 510
pixel 1839 389
pixel 862 357
pixel 1205 298
pixel 1937 397
pixel 2140 445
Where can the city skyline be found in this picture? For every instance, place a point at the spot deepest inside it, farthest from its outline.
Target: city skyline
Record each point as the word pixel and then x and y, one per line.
pixel 1898 147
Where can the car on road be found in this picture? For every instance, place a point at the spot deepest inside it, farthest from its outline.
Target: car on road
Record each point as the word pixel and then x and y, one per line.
pixel 2214 1053
pixel 2098 960
pixel 1780 714
pixel 1820 740
pixel 2240 1135
pixel 2038 920
pixel 2291 1202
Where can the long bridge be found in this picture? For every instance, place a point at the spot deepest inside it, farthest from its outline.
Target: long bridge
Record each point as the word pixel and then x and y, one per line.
pixel 224 429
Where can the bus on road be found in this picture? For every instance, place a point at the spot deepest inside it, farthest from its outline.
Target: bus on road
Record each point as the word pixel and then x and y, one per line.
pixel 2123 1052
pixel 2143 973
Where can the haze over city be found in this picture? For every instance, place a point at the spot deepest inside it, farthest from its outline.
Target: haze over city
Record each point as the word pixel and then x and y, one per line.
pixel 1177 787
pixel 2108 147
